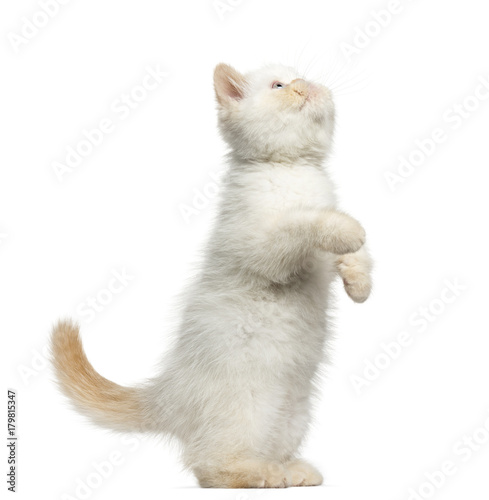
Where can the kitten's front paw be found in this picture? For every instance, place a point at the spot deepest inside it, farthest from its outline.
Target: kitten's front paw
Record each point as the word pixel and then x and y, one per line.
pixel 358 290
pixel 341 234
pixel 303 474
pixel 355 271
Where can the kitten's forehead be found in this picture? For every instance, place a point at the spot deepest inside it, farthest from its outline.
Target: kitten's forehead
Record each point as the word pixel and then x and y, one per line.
pixel 270 73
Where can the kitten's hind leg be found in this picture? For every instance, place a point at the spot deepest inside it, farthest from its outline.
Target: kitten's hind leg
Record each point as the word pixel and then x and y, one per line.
pixel 355 269
pixel 292 432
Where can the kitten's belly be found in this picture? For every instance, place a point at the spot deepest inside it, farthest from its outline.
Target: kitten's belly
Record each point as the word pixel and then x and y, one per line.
pixel 245 352
pixel 267 329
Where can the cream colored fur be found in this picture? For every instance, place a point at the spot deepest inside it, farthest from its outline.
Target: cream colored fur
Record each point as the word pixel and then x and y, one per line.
pixel 235 390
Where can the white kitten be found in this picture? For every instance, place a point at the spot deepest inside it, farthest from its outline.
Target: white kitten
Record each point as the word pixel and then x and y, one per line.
pixel 235 389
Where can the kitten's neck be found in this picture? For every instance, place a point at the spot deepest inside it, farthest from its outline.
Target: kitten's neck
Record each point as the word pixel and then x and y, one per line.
pixel 315 159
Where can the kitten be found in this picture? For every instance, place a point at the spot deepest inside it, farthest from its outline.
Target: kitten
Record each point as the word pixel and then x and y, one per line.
pixel 236 388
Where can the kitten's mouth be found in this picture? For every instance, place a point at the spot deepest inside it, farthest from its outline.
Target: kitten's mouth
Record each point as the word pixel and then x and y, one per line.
pixel 310 97
pixel 306 100
pixel 314 93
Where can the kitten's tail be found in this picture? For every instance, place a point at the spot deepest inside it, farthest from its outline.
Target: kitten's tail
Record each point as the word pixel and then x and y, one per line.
pixel 104 402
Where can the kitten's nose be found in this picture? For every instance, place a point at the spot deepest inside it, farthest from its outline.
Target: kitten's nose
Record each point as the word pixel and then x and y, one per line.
pixel 299 86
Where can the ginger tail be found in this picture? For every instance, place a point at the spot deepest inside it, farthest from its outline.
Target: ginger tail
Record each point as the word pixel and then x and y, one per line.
pixel 107 404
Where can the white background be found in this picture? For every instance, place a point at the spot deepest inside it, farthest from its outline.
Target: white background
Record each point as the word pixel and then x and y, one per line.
pixel 121 209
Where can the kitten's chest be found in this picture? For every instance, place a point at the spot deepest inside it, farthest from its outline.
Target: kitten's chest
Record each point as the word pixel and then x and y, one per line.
pixel 289 187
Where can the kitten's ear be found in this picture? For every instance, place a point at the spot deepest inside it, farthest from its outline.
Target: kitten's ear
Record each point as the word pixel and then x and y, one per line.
pixel 229 84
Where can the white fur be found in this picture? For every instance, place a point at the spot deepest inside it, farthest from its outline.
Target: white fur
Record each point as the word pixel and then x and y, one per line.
pixel 237 386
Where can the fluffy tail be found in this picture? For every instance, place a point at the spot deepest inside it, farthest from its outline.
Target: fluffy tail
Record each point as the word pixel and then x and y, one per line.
pixel 104 402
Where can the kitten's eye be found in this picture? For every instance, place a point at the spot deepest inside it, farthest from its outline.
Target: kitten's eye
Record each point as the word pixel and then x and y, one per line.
pixel 278 85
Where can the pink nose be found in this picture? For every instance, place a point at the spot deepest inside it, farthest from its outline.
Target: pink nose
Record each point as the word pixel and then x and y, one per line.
pixel 300 86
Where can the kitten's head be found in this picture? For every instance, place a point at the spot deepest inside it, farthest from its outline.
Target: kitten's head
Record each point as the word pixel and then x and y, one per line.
pixel 273 114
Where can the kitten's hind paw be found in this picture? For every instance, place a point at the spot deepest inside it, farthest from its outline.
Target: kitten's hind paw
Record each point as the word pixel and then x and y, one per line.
pixel 303 474
pixel 245 474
